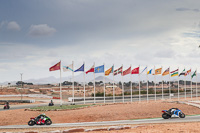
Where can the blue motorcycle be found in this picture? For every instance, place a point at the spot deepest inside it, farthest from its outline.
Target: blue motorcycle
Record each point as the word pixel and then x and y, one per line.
pixel 172 113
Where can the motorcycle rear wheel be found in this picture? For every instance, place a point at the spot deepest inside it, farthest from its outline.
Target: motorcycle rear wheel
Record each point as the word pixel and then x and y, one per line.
pixel 31 123
pixel 165 116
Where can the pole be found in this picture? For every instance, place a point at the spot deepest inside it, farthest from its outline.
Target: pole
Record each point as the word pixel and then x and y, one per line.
pixel 155 81
pixel 162 85
pixel 60 87
pixel 84 80
pixel 147 86
pixel 191 82
pixel 122 84
pixel 169 84
pixel 131 88
pixel 94 85
pixel 196 85
pixel 73 79
pixel 178 83
pixel 185 86
pixel 113 86
pixel 104 85
pixel 21 84
pixel 139 86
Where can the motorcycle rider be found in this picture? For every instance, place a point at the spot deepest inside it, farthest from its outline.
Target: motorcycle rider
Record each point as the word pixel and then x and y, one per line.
pixel 173 111
pixel 42 118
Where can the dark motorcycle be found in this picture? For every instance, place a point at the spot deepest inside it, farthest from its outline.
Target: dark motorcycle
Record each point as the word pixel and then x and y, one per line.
pixel 37 121
pixel 51 103
pixel 6 106
pixel 172 113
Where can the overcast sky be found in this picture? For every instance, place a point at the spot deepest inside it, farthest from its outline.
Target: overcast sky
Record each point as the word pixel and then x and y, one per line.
pixel 34 35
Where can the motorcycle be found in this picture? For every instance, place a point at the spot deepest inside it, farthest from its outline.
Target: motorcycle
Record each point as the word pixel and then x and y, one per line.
pixel 172 113
pixel 6 106
pixel 37 121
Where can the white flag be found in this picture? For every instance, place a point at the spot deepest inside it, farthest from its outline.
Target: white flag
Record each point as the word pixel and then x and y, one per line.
pixel 68 68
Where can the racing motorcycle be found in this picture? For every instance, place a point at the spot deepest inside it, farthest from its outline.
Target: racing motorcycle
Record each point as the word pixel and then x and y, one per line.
pixel 172 113
pixel 6 106
pixel 40 120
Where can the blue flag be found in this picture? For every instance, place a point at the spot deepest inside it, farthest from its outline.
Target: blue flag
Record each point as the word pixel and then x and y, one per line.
pixel 99 69
pixel 80 69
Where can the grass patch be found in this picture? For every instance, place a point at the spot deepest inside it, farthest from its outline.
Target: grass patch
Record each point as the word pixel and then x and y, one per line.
pixel 63 107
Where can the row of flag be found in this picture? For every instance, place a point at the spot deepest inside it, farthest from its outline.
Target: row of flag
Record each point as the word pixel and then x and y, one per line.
pixel 100 69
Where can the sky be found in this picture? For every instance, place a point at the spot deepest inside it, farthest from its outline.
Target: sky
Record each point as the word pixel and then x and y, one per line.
pixel 35 35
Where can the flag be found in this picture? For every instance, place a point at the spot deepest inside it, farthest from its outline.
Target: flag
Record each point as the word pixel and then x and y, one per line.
pixel 68 68
pixel 55 67
pixel 166 72
pixel 194 74
pixel 90 70
pixel 158 71
pixel 174 73
pixel 136 70
pixel 188 72
pixel 118 71
pixel 80 69
pixel 127 71
pixel 143 70
pixel 99 69
pixel 149 72
pixel 110 70
pixel 182 73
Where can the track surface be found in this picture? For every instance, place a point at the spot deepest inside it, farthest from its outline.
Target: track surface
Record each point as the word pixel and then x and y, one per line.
pixel 194 118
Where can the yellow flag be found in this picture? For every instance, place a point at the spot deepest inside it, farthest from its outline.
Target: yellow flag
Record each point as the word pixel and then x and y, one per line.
pixel 110 70
pixel 158 71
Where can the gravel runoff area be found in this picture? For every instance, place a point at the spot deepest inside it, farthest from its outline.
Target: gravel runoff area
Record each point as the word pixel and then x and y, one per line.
pixel 110 112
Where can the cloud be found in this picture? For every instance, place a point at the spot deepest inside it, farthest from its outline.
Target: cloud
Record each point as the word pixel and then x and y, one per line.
pixel 41 30
pixel 14 26
pixel 187 9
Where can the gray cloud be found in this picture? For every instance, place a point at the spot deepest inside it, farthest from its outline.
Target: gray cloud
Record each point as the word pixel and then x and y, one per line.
pixel 41 30
pixel 187 9
pixel 14 26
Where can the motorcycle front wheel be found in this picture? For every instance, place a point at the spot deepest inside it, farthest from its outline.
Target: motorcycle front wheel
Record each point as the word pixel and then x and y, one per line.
pixel 48 122
pixel 182 115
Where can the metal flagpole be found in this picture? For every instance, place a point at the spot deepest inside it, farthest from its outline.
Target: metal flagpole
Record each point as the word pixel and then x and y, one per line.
pixel 185 86
pixel 122 83
pixel 169 84
pixel 155 81
pixel 104 85
pixel 139 85
pixel 84 80
pixel 191 82
pixel 178 83
pixel 73 79
pixel 131 87
pixel 60 86
pixel 94 85
pixel 113 86
pixel 147 86
pixel 196 83
pixel 162 83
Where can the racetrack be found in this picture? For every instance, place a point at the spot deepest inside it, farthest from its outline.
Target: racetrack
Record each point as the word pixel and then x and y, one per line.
pixel 195 118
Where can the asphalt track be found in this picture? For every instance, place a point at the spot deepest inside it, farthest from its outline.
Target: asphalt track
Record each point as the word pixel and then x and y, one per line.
pixel 195 118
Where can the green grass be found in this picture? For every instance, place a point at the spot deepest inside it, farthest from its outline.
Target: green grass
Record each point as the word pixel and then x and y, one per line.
pixel 63 107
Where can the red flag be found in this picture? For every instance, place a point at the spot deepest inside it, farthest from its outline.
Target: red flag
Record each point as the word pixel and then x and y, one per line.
pixel 136 70
pixel 55 67
pixel 127 71
pixel 90 70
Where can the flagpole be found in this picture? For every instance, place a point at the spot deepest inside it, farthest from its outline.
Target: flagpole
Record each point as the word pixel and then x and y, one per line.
pixel 178 83
pixel 131 86
pixel 196 83
pixel 122 83
pixel 139 85
pixel 169 84
pixel 84 80
pixel 73 79
pixel 113 85
pixel 162 82
pixel 147 85
pixel 104 85
pixel 60 86
pixel 191 82
pixel 155 81
pixel 185 85
pixel 94 85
